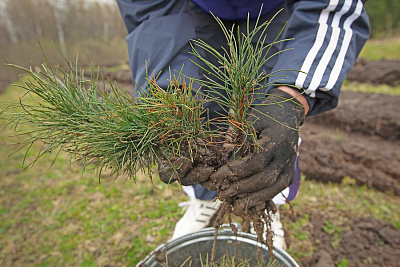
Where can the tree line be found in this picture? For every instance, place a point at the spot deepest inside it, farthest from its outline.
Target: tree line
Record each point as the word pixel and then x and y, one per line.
pixel 70 20
pixel 58 20
pixel 384 17
pixel 94 30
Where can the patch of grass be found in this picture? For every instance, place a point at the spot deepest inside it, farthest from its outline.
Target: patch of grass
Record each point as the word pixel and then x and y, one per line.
pixel 116 68
pixel 339 135
pixel 342 263
pixel 382 48
pixel 335 231
pixel 300 234
pixel 55 215
pixel 370 88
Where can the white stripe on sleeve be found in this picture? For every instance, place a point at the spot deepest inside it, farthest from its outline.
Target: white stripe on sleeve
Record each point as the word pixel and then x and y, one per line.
pixel 331 48
pixel 346 42
pixel 333 45
pixel 323 27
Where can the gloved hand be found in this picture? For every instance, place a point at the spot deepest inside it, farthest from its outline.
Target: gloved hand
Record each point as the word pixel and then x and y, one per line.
pixel 266 173
pixel 182 170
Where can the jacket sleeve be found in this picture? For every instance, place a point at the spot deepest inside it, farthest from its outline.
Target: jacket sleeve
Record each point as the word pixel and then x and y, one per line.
pixel 158 37
pixel 134 12
pixel 326 37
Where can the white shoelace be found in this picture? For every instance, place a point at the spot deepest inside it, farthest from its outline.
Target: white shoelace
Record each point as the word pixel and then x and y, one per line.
pixel 197 209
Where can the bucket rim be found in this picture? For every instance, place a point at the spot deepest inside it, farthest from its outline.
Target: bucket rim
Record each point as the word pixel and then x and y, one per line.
pixel 223 234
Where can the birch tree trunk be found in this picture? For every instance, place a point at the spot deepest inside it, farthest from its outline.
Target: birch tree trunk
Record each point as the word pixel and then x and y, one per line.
pixel 9 24
pixel 60 8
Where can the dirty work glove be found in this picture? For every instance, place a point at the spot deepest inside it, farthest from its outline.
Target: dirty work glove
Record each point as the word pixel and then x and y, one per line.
pixel 181 169
pixel 268 172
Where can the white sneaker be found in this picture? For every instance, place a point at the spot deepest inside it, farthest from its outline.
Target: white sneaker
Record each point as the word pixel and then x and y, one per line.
pixel 197 216
pixel 277 229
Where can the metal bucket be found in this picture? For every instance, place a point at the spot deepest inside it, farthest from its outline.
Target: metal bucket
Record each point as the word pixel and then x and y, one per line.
pixel 176 252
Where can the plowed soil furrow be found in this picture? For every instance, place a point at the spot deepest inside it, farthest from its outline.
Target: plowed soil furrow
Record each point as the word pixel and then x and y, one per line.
pixel 329 156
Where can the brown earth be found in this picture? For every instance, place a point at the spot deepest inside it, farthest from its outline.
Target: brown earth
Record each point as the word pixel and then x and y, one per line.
pixel 376 72
pixel 366 242
pixel 359 139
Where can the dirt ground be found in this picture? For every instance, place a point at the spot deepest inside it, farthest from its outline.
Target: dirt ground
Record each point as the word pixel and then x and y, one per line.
pixel 360 140
pixel 376 72
pixel 367 242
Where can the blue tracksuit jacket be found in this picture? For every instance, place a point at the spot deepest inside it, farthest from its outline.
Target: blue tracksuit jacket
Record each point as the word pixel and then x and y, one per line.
pixel 327 38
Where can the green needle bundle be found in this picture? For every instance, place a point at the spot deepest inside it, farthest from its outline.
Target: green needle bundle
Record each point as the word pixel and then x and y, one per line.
pixel 66 111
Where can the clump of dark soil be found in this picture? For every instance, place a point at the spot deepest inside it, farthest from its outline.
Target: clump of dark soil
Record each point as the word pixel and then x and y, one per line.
pixel 359 139
pixel 367 242
pixel 376 72
pixel 368 114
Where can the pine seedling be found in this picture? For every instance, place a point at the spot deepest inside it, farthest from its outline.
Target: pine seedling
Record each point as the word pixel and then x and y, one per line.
pixel 239 75
pixel 67 111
